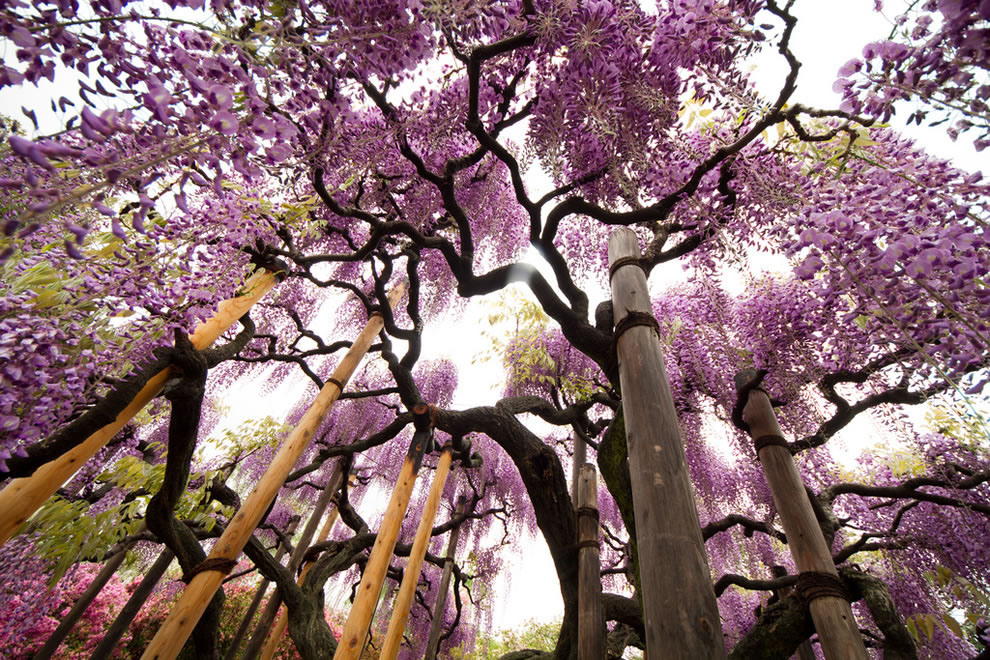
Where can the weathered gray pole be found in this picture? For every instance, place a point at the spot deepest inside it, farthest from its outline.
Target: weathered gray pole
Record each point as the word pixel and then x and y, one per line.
pixel 268 615
pixel 259 595
pixel 448 568
pixel 580 457
pixel 133 606
pixel 69 621
pixel 818 581
pixel 591 624
pixel 679 607
pixel 804 651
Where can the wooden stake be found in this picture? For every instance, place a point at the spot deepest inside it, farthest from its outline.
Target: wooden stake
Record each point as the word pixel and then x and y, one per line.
pixel 133 605
pixel 410 577
pixel 679 608
pixel 185 614
pixel 259 595
pixel 268 615
pixel 804 650
pixel 448 568
pixel 833 617
pixel 68 622
pixel 580 457
pixel 591 623
pixel 283 617
pixel 22 497
pixel 363 609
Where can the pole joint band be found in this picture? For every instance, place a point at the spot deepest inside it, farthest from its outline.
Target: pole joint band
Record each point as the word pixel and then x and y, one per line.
pixel 219 564
pixel 628 261
pixel 590 511
pixel 812 585
pixel 768 440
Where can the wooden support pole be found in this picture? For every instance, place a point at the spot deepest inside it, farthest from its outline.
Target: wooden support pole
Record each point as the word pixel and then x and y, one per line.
pixel 837 631
pixel 283 616
pixel 185 614
pixel 259 595
pixel 359 618
pixel 679 608
pixel 410 577
pixel 85 599
pixel 133 605
pixel 448 568
pixel 268 615
pixel 580 458
pixel 22 497
pixel 804 650
pixel 591 623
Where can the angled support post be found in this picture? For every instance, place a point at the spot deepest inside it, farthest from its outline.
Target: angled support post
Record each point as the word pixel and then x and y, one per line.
pixel 448 568
pixel 818 581
pixel 22 497
pixel 185 614
pixel 679 607
pixel 359 618
pixel 278 628
pixel 410 577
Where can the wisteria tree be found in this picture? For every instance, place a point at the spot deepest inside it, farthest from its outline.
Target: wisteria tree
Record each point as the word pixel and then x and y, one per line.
pixel 468 150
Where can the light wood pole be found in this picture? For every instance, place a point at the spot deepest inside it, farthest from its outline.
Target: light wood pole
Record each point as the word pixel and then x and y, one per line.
pixel 410 577
pixel 359 618
pixel 275 636
pixel 185 614
pixel 269 614
pixel 22 497
pixel 818 581
pixel 679 608
pixel 448 568
pixel 591 624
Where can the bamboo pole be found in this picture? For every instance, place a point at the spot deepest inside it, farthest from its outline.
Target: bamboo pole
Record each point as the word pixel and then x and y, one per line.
pixel 359 618
pixel 185 614
pixel 257 641
pixel 410 577
pixel 837 631
pixel 133 606
pixel 679 608
pixel 22 497
pixel 259 595
pixel 283 615
pixel 591 623
pixel 448 568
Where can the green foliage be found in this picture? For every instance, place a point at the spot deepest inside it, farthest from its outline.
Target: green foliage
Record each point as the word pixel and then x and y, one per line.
pixel 70 531
pixel 959 621
pixel 535 635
